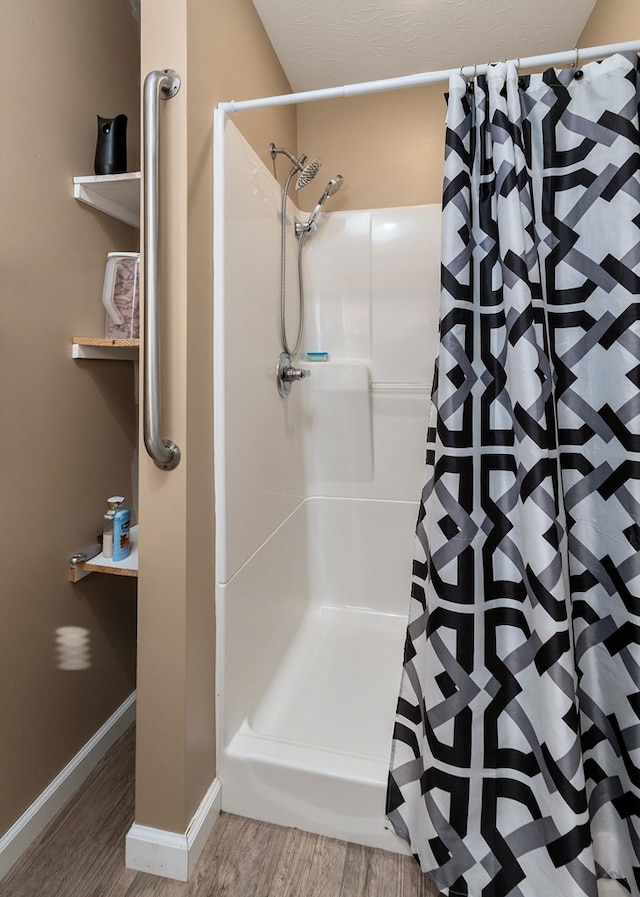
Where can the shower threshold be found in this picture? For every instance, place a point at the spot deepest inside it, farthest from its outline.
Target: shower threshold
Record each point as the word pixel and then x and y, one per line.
pixel 315 752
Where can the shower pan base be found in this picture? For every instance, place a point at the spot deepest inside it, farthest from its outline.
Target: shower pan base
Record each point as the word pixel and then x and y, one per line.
pixel 314 754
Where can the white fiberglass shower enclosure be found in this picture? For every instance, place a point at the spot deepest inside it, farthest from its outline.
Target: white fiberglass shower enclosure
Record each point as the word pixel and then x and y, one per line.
pixel 316 497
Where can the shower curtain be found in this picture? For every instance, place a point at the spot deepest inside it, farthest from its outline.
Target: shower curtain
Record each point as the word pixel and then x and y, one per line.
pixel 515 768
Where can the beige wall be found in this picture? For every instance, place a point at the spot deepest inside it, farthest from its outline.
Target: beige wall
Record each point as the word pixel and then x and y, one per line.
pixel 612 21
pixel 221 52
pixel 68 427
pixel 390 146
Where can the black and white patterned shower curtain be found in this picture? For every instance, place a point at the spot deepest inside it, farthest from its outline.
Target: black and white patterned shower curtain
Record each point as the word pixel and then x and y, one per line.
pixel 515 769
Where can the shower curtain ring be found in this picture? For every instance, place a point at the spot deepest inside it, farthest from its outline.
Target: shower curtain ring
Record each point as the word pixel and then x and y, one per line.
pixel 577 62
pixel 470 78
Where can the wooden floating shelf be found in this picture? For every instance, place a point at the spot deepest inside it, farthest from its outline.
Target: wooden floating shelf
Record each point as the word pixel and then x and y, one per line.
pixel 105 349
pixel 117 195
pixel 101 564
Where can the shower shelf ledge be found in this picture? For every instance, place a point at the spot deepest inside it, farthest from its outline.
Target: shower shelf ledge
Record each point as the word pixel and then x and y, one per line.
pixel 117 195
pixel 101 564
pixel 105 349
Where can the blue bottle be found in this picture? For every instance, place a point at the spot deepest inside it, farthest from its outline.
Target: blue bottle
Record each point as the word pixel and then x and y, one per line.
pixel 121 527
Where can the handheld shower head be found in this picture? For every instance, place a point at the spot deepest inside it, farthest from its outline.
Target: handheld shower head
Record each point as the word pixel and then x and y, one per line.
pixel 332 187
pixel 308 170
pixel 330 190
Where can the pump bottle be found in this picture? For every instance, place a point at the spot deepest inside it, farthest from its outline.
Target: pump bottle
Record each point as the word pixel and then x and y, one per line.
pixel 107 530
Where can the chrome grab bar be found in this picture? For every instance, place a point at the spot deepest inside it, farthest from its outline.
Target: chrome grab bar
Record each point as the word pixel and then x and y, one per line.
pixel 157 85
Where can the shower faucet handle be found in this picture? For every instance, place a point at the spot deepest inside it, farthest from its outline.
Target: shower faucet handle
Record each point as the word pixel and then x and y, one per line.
pixel 286 374
pixel 290 374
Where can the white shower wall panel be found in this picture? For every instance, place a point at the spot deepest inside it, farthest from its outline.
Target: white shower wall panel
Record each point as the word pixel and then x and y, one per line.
pixel 371 283
pixel 362 552
pixel 337 286
pixel 372 295
pixel 372 289
pixel 259 448
pixel 259 611
pixel 405 293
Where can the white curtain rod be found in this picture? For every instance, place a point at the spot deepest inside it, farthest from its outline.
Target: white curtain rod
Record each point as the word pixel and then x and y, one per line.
pixel 351 90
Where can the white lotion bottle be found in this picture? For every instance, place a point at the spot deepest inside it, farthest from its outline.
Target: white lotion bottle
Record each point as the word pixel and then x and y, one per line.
pixel 107 530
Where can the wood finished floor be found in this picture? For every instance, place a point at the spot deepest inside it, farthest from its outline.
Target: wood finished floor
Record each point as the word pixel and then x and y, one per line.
pixel 81 854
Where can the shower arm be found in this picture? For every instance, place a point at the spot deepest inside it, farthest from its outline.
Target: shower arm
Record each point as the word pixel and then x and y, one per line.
pixel 298 162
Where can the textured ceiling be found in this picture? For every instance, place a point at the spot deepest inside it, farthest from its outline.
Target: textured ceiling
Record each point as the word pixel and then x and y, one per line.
pixel 327 43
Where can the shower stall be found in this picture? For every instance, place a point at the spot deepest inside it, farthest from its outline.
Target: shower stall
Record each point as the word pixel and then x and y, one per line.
pixel 316 495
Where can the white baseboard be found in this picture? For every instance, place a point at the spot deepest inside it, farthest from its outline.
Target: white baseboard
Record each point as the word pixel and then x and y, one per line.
pixel 170 854
pixel 49 803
